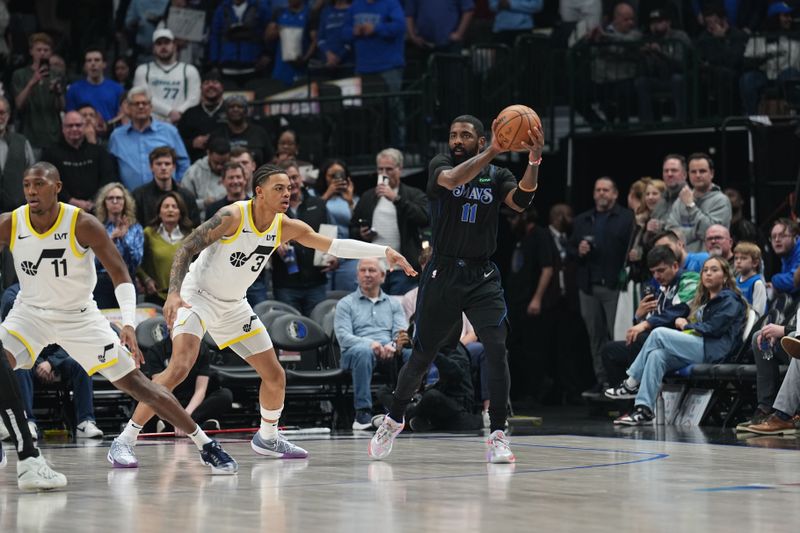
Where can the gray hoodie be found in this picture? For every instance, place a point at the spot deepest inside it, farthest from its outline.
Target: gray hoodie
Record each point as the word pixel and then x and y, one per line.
pixel 711 208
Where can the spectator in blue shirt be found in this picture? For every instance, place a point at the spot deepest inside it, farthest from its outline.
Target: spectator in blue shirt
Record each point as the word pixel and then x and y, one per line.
pixel 141 18
pixel 296 41
pixel 783 237
pixel 236 39
pixel 512 18
pixel 367 322
pixel 438 26
pixel 132 143
pixel 377 29
pixel 103 94
pixel 116 210
pixel 333 47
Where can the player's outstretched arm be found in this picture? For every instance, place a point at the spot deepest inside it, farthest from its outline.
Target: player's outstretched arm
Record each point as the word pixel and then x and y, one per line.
pixel 90 233
pixel 5 229
pixel 224 222
pixel 299 231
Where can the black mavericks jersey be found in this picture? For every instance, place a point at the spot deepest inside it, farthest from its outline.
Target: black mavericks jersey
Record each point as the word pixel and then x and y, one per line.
pixel 464 221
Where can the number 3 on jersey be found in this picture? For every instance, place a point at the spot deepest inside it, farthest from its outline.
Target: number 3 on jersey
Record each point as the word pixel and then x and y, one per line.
pixel 468 213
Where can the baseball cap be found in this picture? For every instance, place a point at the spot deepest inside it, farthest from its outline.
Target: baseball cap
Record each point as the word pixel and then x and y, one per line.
pixel 657 14
pixel 212 74
pixel 777 8
pixel 163 33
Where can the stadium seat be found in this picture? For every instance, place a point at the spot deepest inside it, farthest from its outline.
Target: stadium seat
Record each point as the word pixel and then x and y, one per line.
pixel 151 331
pixel 270 305
pixel 322 309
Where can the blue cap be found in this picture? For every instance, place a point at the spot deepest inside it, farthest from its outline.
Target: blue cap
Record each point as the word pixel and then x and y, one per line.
pixel 777 8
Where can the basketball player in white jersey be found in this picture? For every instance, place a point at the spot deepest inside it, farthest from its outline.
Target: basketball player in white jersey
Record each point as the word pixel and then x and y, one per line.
pixel 234 245
pixel 54 246
pixel 175 86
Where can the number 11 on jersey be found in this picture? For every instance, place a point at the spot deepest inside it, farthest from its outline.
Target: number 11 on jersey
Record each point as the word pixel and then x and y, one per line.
pixel 468 213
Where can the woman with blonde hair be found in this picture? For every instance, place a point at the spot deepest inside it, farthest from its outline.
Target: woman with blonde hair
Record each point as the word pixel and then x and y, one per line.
pixel 712 332
pixel 115 208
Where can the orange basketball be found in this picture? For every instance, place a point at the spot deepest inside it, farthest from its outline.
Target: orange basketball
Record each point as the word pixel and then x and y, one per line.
pixel 512 125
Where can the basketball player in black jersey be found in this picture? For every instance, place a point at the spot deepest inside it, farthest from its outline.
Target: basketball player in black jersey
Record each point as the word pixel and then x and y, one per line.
pixel 465 192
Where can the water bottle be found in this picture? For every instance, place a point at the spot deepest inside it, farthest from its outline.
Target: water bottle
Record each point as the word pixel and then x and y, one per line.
pixel 290 260
pixel 766 349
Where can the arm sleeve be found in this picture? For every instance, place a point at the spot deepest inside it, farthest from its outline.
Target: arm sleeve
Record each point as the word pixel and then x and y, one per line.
pixel 192 89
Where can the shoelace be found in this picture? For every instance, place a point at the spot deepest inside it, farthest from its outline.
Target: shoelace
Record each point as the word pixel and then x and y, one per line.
pixel 498 442
pixel 383 434
pixel 219 455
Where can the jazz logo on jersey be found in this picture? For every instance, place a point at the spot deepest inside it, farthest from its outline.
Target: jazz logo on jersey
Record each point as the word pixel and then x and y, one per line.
pixel 56 254
pixel 249 325
pixel 102 357
pixel 482 194
pixel 238 259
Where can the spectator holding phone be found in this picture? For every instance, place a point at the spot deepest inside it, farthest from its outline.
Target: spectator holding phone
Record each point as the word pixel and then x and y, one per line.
pixel 335 187
pixel 664 300
pixel 392 214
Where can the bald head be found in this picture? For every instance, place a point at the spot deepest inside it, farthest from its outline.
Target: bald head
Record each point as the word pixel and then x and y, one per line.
pixel 43 169
pixel 624 18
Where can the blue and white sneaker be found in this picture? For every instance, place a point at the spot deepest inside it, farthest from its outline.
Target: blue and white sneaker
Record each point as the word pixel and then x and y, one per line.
pixel 121 455
pixel 277 447
pixel 218 459
pixel 3 459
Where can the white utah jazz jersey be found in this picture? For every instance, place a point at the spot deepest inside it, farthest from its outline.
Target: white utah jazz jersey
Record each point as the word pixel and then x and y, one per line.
pixel 229 266
pixel 54 270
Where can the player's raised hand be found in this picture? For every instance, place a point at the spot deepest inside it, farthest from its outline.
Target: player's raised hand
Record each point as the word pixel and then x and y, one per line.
pixel 536 145
pixel 128 337
pixel 495 146
pixel 171 306
pixel 396 259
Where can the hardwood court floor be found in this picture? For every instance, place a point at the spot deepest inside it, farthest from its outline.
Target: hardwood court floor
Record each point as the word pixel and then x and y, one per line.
pixel 432 483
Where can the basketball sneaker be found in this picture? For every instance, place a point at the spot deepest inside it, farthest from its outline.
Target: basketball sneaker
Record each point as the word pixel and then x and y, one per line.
pixel 3 459
pixel 640 416
pixel 380 446
pixel 623 392
pixel 218 459
pixel 277 447
pixel 498 450
pixel 34 473
pixel 88 430
pixel 121 455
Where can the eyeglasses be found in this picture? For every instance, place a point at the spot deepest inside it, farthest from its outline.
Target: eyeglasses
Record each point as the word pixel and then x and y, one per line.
pixel 778 236
pixel 115 199
pixel 139 104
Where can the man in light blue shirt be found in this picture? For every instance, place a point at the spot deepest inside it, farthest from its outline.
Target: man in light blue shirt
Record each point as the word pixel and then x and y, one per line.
pixel 131 144
pixel 367 322
pixel 512 18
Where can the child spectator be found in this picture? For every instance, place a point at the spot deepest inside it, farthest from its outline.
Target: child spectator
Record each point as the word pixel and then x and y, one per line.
pixel 747 264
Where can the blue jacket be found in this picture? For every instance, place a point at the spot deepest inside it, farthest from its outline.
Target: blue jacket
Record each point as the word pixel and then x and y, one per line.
pixel 384 49
pixel 784 282
pixel 721 325
pixel 330 36
pixel 241 47
pixel 673 301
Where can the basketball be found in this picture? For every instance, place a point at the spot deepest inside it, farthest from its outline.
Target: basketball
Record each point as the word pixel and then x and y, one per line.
pixel 512 125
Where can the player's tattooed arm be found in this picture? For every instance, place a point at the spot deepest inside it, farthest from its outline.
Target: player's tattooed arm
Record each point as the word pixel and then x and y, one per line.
pixel 224 222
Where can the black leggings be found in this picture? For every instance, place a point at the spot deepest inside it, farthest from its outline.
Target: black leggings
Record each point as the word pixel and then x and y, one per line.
pixel 494 342
pixel 12 411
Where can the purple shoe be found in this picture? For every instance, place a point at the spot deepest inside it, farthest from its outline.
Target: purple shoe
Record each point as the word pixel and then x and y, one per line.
pixel 277 447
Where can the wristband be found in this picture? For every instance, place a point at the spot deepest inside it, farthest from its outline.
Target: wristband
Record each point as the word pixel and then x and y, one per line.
pixel 126 298
pixel 535 163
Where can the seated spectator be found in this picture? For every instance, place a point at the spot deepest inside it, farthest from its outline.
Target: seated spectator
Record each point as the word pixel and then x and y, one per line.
pixel 366 323
pixel 719 242
pixel 162 238
pixel 84 167
pixel 199 393
pixel 296 41
pixel 666 53
pixel 162 168
pixel 700 206
pixel 295 278
pixel 236 40
pixel 103 94
pixel 747 265
pixel 676 288
pixel 692 262
pixel 335 187
pixel 132 143
pixel 241 132
pixel 197 123
pixel 51 366
pixel 116 210
pixel 288 147
pixel 234 182
pixel 204 177
pixel 720 49
pixel 742 229
pixel 769 59
pixel 712 332
pixel 783 238
pixel 782 417
pixel 243 156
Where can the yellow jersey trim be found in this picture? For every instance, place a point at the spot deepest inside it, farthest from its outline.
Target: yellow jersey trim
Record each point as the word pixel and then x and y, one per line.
pixel 13 231
pixel 280 229
pixel 21 339
pixel 228 240
pixel 242 337
pixel 104 365
pixel 73 239
pixel 47 233
pixel 253 224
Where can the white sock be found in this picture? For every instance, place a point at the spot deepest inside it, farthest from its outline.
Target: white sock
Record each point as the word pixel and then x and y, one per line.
pixel 631 382
pixel 130 433
pixel 199 438
pixel 269 430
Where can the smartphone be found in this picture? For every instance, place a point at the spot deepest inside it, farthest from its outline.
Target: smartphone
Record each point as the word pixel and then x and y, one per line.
pixel 648 290
pixel 382 179
pixel 364 223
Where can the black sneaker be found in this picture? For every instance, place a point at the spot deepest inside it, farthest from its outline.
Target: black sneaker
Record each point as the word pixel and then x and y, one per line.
pixel 218 459
pixel 641 416
pixel 420 424
pixel 623 392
